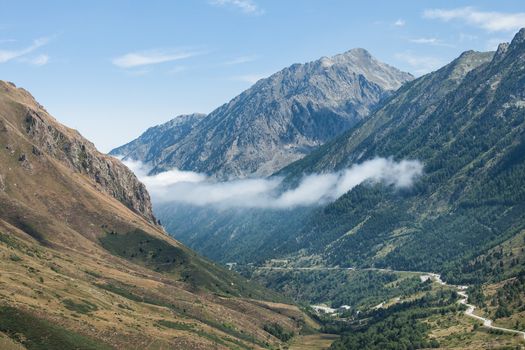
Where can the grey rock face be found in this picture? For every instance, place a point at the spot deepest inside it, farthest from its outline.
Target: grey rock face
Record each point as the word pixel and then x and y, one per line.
pixel 278 120
pixel 80 155
pixel 151 143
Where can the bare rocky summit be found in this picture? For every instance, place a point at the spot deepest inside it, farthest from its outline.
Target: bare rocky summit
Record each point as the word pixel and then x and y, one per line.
pixel 278 120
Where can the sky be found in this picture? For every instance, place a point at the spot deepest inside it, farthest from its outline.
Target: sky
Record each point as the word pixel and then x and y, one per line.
pixel 113 68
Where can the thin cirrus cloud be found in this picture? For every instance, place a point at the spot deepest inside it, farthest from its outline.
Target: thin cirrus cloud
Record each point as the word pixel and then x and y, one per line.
pixel 151 57
pixel 8 55
pixel 429 41
pixel 187 187
pixel 491 21
pixel 177 70
pixel 400 23
pixel 245 6
pixel 241 60
pixel 420 64
pixel 39 60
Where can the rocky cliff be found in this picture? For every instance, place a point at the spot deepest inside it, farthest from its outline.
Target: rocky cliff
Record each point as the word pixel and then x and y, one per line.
pixel 20 113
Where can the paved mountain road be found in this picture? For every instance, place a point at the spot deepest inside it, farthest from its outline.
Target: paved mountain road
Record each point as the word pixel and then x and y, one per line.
pixel 436 277
pixel 486 322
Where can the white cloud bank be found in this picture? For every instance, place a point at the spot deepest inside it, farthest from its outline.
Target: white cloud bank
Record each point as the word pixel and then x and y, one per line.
pixel 199 190
pixel 489 20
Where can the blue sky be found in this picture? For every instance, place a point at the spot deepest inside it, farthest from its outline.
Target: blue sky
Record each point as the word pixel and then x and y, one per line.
pixel 113 68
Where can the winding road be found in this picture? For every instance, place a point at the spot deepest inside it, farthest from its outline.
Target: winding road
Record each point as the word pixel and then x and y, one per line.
pixel 487 323
pixel 424 275
pixel 437 278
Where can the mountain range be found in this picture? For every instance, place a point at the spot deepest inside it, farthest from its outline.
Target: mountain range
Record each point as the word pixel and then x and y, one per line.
pixel 466 123
pixel 464 217
pixel 87 265
pixel 278 120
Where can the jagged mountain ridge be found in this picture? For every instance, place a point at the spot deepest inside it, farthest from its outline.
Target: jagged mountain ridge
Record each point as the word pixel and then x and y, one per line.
pixel 281 118
pixel 245 234
pixel 466 123
pixel 469 133
pixel 154 140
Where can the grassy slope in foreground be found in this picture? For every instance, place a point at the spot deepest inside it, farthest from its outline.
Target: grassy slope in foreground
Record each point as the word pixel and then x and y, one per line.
pixel 56 215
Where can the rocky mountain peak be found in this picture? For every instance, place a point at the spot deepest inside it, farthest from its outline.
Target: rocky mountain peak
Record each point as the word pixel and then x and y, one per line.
pixel 276 121
pixel 502 50
pixel 353 56
pixel 360 62
pixel 519 39
pixel 515 47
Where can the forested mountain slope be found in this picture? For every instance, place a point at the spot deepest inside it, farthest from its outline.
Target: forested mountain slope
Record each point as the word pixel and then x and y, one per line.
pixel 466 123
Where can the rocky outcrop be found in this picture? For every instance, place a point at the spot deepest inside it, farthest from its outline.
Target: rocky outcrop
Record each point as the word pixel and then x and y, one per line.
pixel 151 143
pixel 71 149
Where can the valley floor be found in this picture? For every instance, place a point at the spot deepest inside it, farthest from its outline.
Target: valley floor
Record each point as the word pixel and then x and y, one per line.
pixel 313 342
pixel 454 323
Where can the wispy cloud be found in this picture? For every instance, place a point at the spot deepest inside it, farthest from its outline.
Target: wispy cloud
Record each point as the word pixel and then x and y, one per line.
pixel 8 55
pixel 197 189
pixel 138 72
pixel 177 70
pixel 40 60
pixel 400 23
pixel 467 37
pixel 429 41
pixel 241 60
pixel 420 64
pixel 145 58
pixel 489 20
pixel 249 78
pixel 246 6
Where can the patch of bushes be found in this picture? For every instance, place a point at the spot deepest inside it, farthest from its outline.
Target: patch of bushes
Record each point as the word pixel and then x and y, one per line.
pixel 83 307
pixel 175 325
pixel 15 258
pixel 278 331
pixel 38 334
pixel 126 293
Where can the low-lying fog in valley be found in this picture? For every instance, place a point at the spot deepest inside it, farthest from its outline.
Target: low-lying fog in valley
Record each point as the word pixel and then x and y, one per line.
pixel 200 190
